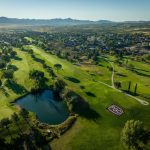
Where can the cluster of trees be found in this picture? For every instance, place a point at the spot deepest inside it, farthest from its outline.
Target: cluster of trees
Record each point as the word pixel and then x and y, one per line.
pixel 28 137
pixel 15 39
pixel 39 78
pixel 119 85
pixel 74 45
pixel 58 87
pixel 7 53
pixel 135 88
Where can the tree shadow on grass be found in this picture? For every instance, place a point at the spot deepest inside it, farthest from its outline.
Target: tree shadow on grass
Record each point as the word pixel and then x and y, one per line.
pixel 131 93
pixel 79 106
pixel 37 59
pixel 72 79
pixel 15 87
pixel 90 114
pixel 142 70
pixel 101 65
pixel 13 67
pixel 92 74
pixel 140 73
pixel 122 75
pixel 17 58
pixel 90 94
pixel 82 108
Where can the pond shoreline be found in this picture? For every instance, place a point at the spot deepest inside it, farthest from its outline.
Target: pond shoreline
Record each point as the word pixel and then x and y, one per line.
pixel 45 105
pixel 56 130
pixel 29 92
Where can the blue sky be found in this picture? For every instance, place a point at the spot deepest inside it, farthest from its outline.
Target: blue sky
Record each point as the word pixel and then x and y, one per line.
pixel 116 10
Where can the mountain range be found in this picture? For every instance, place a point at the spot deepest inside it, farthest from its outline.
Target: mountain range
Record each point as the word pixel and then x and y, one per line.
pixel 54 22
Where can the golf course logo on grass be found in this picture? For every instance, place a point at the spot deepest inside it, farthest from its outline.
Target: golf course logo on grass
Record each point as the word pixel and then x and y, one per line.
pixel 115 110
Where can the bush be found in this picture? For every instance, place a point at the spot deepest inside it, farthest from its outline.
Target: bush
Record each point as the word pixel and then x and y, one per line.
pixel 118 85
pixel 134 135
pixel 2 64
pixel 8 74
pixel 59 86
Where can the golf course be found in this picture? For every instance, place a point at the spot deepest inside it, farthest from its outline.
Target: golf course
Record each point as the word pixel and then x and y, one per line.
pixel 101 131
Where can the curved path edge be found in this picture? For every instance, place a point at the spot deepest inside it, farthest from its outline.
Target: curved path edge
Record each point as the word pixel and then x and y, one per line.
pixel 143 102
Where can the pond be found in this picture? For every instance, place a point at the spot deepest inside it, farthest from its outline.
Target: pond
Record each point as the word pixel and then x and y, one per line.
pixel 47 109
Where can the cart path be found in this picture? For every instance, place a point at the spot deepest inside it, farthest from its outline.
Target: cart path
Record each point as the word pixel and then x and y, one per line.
pixel 143 102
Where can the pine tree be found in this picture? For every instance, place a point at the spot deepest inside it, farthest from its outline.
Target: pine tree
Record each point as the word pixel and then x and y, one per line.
pixel 135 90
pixel 129 86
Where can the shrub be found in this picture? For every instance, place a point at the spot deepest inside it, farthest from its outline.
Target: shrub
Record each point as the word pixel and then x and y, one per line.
pixel 59 86
pixel 134 135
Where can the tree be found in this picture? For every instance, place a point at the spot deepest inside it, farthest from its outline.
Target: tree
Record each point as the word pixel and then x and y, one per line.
pixel 135 90
pixel 126 61
pixel 129 86
pixel 39 78
pixel 36 74
pixel 51 73
pixel 8 74
pixel 118 85
pixel 6 58
pixel 59 85
pixel 40 139
pixel 58 53
pixel 134 135
pixel 2 64
pixel 0 83
pixel 4 123
pixel 15 119
pixel 25 115
pixel 110 68
pixel 13 54
pixel 58 67
pixel 2 143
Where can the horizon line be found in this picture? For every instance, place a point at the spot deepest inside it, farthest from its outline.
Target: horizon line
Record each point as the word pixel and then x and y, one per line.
pixel 76 19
